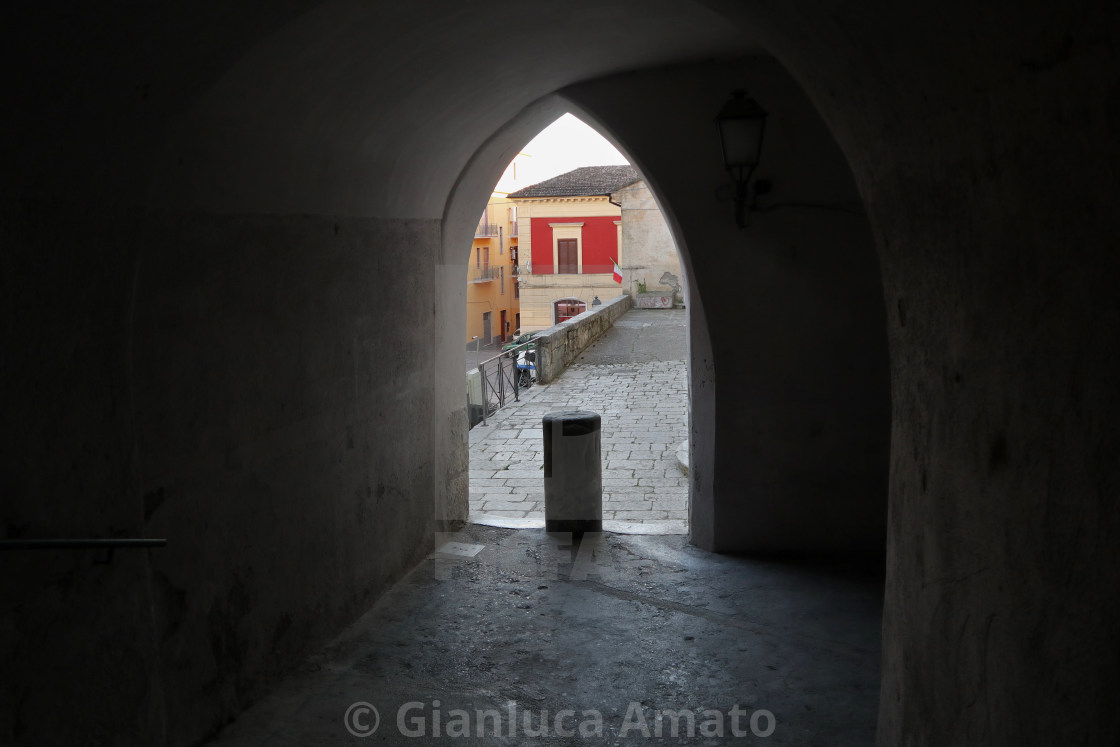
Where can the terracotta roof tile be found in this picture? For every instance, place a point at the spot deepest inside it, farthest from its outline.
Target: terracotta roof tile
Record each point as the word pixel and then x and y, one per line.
pixel 582 182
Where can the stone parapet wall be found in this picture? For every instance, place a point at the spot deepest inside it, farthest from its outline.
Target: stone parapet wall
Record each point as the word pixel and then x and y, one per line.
pixel 560 344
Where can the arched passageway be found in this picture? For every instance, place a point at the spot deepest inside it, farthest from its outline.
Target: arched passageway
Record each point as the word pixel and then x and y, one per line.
pixel 802 413
pixel 199 198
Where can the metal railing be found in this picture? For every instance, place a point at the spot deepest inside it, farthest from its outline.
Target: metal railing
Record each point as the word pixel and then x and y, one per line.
pixel 483 273
pixel 108 545
pixel 501 383
pixel 485 228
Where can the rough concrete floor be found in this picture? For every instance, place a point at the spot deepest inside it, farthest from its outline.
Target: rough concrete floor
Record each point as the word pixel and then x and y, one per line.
pixel 635 625
pixel 636 378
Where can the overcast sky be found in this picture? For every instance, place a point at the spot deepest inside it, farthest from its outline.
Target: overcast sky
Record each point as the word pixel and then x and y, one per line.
pixel 564 145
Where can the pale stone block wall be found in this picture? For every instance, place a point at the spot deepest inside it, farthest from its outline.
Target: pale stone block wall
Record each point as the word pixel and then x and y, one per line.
pixel 649 253
pixel 538 292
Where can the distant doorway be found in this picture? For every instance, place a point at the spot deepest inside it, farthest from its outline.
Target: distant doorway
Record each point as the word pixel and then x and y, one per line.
pixel 487 334
pixel 504 326
pixel 566 308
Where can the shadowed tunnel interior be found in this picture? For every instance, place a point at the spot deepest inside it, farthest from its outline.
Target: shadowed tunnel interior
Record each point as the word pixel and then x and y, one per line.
pixel 232 292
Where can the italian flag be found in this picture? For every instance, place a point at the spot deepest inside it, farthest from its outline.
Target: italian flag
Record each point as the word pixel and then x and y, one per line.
pixel 617 272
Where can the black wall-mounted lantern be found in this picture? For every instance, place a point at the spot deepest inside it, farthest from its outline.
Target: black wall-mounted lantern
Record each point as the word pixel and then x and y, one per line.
pixel 741 124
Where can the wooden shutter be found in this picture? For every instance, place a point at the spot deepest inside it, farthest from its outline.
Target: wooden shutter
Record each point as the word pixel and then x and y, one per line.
pixel 567 256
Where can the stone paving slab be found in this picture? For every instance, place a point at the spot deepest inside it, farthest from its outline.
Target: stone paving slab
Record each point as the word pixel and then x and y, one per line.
pixel 635 377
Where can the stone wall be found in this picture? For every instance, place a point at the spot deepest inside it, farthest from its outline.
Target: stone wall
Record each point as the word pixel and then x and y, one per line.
pixel 649 254
pixel 790 403
pixel 560 344
pixel 202 387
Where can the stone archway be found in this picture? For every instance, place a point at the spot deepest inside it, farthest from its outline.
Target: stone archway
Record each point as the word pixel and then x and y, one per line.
pixel 564 309
pixel 199 206
pixel 807 361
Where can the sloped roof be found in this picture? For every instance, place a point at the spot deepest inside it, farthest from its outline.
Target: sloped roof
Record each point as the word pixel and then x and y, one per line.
pixel 582 182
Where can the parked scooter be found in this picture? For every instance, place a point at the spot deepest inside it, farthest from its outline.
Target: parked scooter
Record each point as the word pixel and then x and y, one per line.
pixel 526 368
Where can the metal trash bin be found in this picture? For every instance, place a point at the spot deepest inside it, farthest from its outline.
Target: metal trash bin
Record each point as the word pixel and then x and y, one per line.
pixel 573 471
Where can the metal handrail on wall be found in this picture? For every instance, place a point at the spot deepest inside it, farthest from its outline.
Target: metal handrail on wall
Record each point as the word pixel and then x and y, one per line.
pixel 109 544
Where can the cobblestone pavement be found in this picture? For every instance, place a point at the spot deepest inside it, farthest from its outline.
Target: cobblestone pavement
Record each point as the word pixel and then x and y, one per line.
pixel 635 377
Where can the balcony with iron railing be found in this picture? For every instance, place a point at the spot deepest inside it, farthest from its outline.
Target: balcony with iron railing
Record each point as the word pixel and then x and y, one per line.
pixel 485 229
pixel 483 273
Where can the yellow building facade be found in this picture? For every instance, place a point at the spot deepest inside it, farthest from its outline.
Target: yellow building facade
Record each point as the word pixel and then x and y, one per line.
pixel 493 308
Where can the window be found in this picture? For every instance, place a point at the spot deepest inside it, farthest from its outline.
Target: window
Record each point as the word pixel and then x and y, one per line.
pixel 566 248
pixel 567 256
